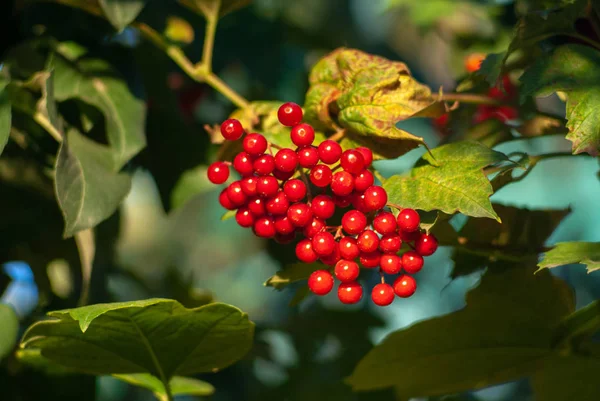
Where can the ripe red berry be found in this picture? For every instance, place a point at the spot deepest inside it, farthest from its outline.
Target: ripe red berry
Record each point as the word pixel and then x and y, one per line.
pixel 405 286
pixel 320 175
pixel 242 163
pixel 308 156
pixel 348 248
pixel 264 165
pixel 370 260
pixel 218 172
pixel 350 293
pixel 257 206
pixel 304 251
pixel 323 206
pixel 368 241
pixel 367 155
pixel 390 243
pixel 352 161
pixel 505 113
pixel 346 270
pixel 354 222
pixel 300 214
pixel 267 186
pixel 315 226
pixel 264 227
pixel 390 263
pixel 284 226
pixel 323 243
pixel 295 190
pixel 235 194
pixel 412 262
pixel 278 204
pixel 286 160
pixel 426 244
pixel 358 202
pixel 382 294
pixel 320 282
pixel 332 258
pixel 232 129
pixel 408 220
pixel 254 144
pixel 384 223
pixel 375 197
pixel 289 114
pixel 329 151
pixel 408 237
pixel 282 175
pixel 249 185
pixel 342 201
pixel 342 183
pixel 244 217
pixel 363 180
pixel 285 238
pixel 224 200
pixel 302 135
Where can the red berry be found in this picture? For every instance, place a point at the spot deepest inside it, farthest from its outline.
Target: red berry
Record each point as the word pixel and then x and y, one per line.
pixel 342 201
pixel 358 202
pixel 264 165
pixel 304 251
pixel 285 238
pixel 320 175
pixel 332 258
pixel 278 204
pixel 323 243
pixel 412 262
pixel 254 144
pixel 320 282
pixel 375 197
pixel 257 206
pixel 426 244
pixel 368 241
pixel 350 293
pixel 367 155
pixel 329 151
pixel 323 206
pixel 390 243
pixel 408 237
pixel 363 180
pixel 232 129
pixel 242 163
pixel 289 114
pixel 352 161
pixel 295 190
pixel 405 286
pixel 282 175
pixel 505 113
pixel 224 200
pixel 354 222
pixel 370 260
pixel 308 156
pixel 384 223
pixel 483 113
pixel 218 172
pixel 441 122
pixel 342 183
pixel 244 217
pixel 315 226
pixel 267 186
pixel 382 294
pixel 300 214
pixel 235 193
pixel 249 185
pixel 284 226
pixel 390 263
pixel 286 160
pixel 346 270
pixel 408 220
pixel 348 248
pixel 264 227
pixel 302 135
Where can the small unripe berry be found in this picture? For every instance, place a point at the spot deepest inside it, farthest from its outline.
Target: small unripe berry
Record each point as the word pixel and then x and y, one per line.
pixel 232 129
pixel 382 294
pixel 289 114
pixel 218 173
pixel 350 293
pixel 405 286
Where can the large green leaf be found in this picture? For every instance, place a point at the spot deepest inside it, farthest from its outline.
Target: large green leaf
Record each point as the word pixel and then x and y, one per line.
pixel 564 253
pixel 367 95
pixel 9 329
pixel 567 378
pixel 87 189
pixel 178 385
pixel 293 273
pixel 156 336
pixel 450 179
pixel 98 84
pixel 121 13
pixel 477 346
pixel 5 115
pixel 574 69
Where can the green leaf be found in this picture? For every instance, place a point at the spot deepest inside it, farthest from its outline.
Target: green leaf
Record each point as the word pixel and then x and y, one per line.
pixel 34 358
pixel 9 329
pixel 478 346
pixel 574 69
pixel 293 273
pixel 567 378
pixel 95 82
pixel 87 189
pixel 564 253
pixel 179 385
pixel 456 184
pixel 369 94
pixel 581 324
pixel 5 115
pixel 156 336
pixel 121 13
pixel 228 215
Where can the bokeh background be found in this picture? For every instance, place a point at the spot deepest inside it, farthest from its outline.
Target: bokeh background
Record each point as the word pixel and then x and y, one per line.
pixel 168 238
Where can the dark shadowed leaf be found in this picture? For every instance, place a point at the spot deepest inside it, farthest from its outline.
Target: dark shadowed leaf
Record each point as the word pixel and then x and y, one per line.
pixel 179 385
pixel 121 13
pixel 9 329
pixel 5 115
pixel 564 253
pixel 567 378
pixel 293 273
pixel 210 8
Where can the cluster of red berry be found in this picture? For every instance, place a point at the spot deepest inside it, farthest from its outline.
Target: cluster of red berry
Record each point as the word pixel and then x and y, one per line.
pixel 298 191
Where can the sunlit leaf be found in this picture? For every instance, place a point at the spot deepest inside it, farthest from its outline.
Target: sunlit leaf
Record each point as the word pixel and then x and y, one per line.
pixel 565 253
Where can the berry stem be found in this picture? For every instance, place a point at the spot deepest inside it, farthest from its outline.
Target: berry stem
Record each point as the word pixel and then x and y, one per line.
pixel 338 135
pixel 338 232
pixel 209 37
pixel 382 278
pixel 303 177
pixel 394 206
pixel 474 98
